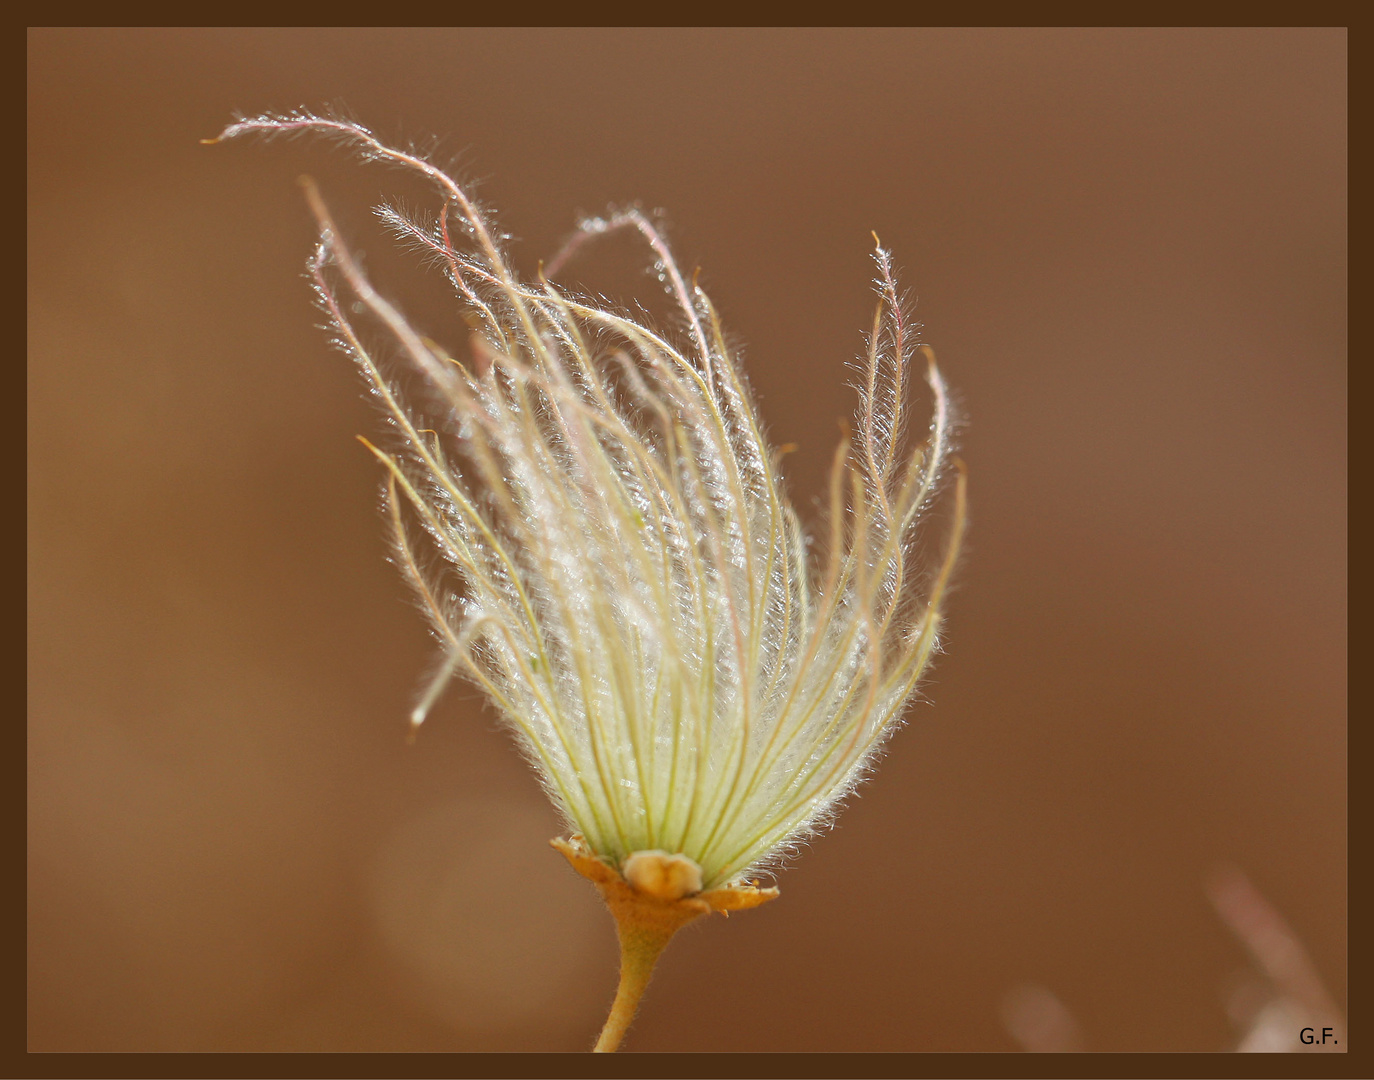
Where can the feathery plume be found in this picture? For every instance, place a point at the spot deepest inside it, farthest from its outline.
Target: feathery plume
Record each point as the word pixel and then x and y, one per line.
pixel 594 523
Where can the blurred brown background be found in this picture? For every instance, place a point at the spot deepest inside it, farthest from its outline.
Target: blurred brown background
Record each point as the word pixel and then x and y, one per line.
pixel 1129 251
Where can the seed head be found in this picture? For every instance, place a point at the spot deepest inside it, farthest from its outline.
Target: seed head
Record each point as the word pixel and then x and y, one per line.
pixel 593 521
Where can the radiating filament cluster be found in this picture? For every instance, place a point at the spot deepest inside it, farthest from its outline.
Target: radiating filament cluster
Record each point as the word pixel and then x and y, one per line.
pixel 593 520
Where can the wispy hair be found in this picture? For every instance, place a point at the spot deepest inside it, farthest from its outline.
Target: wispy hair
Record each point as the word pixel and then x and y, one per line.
pixel 593 520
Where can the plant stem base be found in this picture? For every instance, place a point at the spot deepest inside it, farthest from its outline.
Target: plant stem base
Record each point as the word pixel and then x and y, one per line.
pixel 645 924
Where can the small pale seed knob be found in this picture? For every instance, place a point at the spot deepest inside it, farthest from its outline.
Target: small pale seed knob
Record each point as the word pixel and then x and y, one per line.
pixel 662 876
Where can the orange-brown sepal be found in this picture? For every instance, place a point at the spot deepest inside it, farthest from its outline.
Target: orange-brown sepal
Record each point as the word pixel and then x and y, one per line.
pixel 667 913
